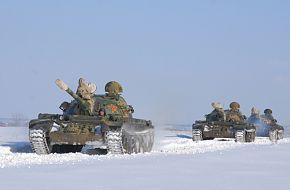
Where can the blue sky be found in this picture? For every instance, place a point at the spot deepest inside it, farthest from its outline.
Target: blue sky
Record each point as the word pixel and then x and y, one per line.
pixel 173 58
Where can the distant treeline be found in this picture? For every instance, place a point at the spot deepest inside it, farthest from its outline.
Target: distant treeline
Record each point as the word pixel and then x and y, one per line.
pixel 13 122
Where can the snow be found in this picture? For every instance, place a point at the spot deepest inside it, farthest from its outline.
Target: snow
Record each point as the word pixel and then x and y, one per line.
pixel 175 162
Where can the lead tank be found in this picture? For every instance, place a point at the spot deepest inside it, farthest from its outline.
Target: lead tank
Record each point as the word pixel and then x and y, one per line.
pixel 103 122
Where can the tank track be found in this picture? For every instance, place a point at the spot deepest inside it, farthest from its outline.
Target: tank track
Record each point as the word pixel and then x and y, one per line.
pixel 275 135
pixel 240 136
pixel 280 134
pixel 250 135
pixel 137 142
pixel 38 141
pixel 114 142
pixel 196 135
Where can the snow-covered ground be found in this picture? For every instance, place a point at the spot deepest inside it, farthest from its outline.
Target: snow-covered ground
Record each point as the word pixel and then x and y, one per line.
pixel 176 162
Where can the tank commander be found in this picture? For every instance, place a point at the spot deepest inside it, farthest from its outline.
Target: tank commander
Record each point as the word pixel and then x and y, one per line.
pixel 255 115
pixel 234 114
pixel 268 116
pixel 84 96
pixel 217 114
pixel 86 90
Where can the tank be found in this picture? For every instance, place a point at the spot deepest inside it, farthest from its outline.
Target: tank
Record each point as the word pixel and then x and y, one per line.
pixel 267 128
pixel 103 123
pixel 208 130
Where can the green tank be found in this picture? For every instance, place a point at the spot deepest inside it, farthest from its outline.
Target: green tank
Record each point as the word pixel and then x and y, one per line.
pixel 103 122
pixel 210 129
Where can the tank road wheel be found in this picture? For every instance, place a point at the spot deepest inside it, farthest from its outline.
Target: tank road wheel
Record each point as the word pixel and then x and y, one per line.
pixel 196 135
pixel 273 136
pixel 250 135
pixel 40 142
pixel 240 136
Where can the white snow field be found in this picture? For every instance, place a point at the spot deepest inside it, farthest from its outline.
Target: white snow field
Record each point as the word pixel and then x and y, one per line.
pixel 175 163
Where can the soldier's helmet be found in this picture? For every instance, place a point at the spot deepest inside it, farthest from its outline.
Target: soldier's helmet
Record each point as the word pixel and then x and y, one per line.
pixel 235 105
pixel 255 111
pixel 217 105
pixel 113 87
pixel 267 111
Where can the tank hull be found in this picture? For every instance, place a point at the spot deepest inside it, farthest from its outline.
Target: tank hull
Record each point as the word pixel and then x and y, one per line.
pixel 59 133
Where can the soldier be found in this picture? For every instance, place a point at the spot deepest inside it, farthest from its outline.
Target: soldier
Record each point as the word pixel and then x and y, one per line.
pixel 234 114
pixel 114 90
pixel 84 97
pixel 86 90
pixel 255 116
pixel 217 114
pixel 102 112
pixel 268 116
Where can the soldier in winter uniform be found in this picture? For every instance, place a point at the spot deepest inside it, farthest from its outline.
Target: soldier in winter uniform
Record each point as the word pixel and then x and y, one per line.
pixel 234 114
pixel 116 102
pixel 268 117
pixel 255 116
pixel 84 97
pixel 217 114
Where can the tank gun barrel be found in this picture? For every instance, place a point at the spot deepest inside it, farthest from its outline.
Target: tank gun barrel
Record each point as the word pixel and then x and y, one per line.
pixel 65 87
pixel 61 85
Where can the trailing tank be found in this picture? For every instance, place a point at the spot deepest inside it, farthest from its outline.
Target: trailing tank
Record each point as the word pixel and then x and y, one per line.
pixel 208 130
pixel 103 122
pixel 267 128
pixel 224 124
